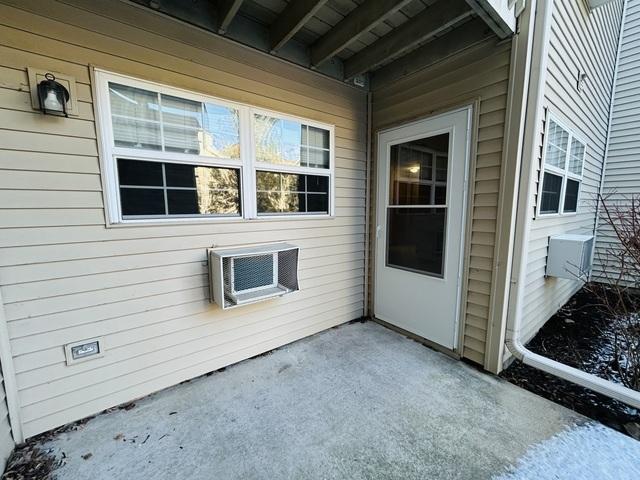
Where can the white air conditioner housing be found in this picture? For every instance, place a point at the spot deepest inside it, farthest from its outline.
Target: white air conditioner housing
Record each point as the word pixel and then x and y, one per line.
pixel 240 276
pixel 569 256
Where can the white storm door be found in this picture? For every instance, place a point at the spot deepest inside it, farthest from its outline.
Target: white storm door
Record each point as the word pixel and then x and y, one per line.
pixel 421 198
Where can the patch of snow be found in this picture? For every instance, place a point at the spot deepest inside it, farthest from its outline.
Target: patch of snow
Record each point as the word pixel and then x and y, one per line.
pixel 587 452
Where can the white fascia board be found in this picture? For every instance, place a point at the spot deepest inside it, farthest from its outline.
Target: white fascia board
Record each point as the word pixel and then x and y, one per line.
pixel 500 15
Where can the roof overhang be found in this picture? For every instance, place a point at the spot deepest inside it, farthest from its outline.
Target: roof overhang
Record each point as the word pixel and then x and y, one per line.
pixel 350 41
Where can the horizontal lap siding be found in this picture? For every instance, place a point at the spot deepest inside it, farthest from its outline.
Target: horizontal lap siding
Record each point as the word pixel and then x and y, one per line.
pixel 622 172
pixel 144 290
pixel 585 41
pixel 6 439
pixel 479 74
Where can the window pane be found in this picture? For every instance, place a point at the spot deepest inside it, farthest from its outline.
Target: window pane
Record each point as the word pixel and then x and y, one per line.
pixel 218 190
pixel 551 187
pixel 182 124
pixel 576 156
pixel 135 117
pixel 221 132
pixel 318 137
pixel 179 175
pixel 557 141
pixel 182 202
pixel 318 158
pixel 292 193
pixel 418 171
pixel 286 142
pixel 134 172
pixel 142 201
pixel 571 196
pixel 416 239
pixel 317 203
pixel 186 189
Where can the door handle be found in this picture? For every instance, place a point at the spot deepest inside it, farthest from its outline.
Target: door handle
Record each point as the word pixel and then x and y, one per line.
pixel 378 230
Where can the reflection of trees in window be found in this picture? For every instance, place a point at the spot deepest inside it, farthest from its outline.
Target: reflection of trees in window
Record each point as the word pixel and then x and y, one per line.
pixel 288 192
pixel 277 192
pixel 275 143
pixel 218 190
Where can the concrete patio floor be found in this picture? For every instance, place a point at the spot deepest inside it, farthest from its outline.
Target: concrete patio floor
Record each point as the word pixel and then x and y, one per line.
pixel 358 401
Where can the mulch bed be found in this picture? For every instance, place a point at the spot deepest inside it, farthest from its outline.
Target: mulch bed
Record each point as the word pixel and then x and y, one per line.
pixel 580 336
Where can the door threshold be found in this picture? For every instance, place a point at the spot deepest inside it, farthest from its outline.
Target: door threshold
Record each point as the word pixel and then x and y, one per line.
pixel 427 343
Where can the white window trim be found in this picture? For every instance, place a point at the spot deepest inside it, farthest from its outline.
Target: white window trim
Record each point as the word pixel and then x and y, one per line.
pixel 246 164
pixel 565 174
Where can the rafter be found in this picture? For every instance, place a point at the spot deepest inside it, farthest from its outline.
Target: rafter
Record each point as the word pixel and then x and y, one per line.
pixel 466 36
pixel 357 22
pixel 407 36
pixel 292 19
pixel 227 9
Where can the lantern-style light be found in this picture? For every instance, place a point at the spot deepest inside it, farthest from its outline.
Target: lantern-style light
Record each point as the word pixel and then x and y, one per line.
pixel 52 96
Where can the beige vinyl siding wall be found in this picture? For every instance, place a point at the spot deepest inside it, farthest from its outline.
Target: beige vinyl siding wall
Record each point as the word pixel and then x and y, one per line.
pixel 65 277
pixel 622 170
pixel 479 74
pixel 6 438
pixel 584 41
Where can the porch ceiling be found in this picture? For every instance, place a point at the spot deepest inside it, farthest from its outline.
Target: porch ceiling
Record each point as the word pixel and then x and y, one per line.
pixel 352 40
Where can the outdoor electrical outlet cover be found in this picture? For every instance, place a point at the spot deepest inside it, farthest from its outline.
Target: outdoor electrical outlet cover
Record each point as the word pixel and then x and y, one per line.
pixel 84 350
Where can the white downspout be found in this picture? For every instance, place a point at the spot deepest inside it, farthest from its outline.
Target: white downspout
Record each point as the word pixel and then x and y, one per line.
pixel 367 210
pixel 524 217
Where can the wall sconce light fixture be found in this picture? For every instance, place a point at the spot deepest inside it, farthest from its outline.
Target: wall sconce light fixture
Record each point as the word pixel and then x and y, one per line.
pixel 52 96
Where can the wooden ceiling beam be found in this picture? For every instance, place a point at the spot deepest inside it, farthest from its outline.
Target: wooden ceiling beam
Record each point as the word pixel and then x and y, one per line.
pixel 360 20
pixel 407 36
pixel 466 36
pixel 291 20
pixel 227 9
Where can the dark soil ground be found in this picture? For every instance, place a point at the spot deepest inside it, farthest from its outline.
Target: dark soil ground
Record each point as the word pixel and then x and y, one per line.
pixel 579 335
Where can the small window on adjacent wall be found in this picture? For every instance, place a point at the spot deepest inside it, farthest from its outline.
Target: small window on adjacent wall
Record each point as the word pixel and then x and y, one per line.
pixel 561 175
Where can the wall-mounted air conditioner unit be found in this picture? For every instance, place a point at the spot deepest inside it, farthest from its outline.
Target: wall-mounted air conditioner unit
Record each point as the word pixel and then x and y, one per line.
pixel 240 276
pixel 569 256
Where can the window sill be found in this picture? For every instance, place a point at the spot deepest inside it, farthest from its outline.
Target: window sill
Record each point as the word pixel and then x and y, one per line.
pixel 172 222
pixel 541 216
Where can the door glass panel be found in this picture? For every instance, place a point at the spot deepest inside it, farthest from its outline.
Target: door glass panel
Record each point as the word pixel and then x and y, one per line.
pixel 417 211
pixel 416 239
pixel 418 173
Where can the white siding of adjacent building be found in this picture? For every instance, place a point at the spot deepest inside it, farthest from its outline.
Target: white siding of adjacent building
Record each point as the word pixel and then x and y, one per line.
pixel 579 41
pixel 65 277
pixel 622 171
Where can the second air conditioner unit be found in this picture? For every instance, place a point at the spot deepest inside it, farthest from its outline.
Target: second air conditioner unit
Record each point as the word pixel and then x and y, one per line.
pixel 240 276
pixel 569 256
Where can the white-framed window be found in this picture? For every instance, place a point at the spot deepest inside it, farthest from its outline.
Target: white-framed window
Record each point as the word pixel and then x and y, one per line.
pixel 561 174
pixel 169 154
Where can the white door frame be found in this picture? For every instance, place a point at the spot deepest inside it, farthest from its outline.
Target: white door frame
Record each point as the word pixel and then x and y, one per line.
pixel 464 227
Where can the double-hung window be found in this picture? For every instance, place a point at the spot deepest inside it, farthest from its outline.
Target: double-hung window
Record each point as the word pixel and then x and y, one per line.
pixel 292 162
pixel 561 176
pixel 169 154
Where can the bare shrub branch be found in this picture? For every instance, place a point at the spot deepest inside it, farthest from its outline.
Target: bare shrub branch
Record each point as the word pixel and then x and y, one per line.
pixel 617 284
